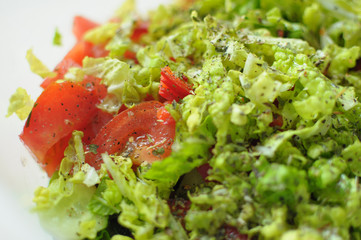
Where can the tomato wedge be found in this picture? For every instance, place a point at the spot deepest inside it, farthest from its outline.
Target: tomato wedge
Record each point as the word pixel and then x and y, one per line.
pixel 80 50
pixel 172 87
pixel 73 58
pixel 140 29
pixel 277 121
pixel 81 25
pixel 61 108
pixel 136 133
pixel 98 121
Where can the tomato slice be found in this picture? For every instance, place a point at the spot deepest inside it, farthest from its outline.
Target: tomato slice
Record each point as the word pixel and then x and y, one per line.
pixel 164 116
pixel 100 119
pixel 61 108
pixel 137 133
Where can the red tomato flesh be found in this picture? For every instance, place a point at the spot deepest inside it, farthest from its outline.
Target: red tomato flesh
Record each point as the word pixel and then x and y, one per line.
pixel 136 133
pixel 277 121
pixel 82 49
pixel 99 120
pixel 61 108
pixel 81 25
pixel 164 116
pixel 61 69
pixel 74 58
pixel 172 87
pixel 140 29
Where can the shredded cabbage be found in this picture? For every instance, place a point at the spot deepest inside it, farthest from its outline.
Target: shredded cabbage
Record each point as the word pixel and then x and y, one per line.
pixel 273 117
pixel 37 67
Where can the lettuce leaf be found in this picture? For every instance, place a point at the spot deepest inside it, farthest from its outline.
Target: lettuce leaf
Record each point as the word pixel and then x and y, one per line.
pixel 270 146
pixel 37 67
pixel 101 34
pixel 119 78
pixel 62 207
pixel 342 59
pixel 125 9
pixel 20 103
pixel 192 151
pixel 142 211
pixel 107 198
pixel 57 38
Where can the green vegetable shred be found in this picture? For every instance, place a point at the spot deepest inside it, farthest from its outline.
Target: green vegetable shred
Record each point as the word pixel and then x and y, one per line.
pixel 267 144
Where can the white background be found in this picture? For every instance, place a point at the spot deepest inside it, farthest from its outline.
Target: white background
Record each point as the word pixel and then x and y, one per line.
pixel 28 24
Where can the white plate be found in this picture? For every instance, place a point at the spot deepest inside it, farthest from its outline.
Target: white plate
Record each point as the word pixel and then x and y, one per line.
pixel 31 24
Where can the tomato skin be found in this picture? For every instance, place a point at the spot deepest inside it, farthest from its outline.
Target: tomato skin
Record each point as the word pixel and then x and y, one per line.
pixel 277 121
pixel 232 233
pixel 171 87
pixel 81 25
pixel 140 29
pixel 61 69
pixel 164 116
pixel 81 49
pixel 61 108
pixel 136 131
pixel 179 208
pixel 131 56
pixel 203 171
pixel 73 58
pixel 99 120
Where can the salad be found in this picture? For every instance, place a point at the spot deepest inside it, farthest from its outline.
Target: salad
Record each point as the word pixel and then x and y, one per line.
pixel 213 119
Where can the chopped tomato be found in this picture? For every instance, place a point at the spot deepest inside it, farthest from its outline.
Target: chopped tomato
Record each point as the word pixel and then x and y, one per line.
pixel 131 56
pixel 98 121
pixel 81 25
pixel 172 87
pixel 179 208
pixel 98 51
pixel 140 29
pixel 74 58
pixel 135 132
pixel 61 108
pixel 164 116
pixel 61 69
pixel 80 50
pixel 203 170
pixel 277 121
pixel 232 233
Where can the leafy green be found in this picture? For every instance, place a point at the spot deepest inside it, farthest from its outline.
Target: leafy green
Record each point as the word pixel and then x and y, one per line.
pixel 119 78
pixel 63 205
pixel 107 198
pixel 101 34
pixel 37 67
pixel 20 104
pixel 273 117
pixel 142 211
pixel 191 152
pixel 57 38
